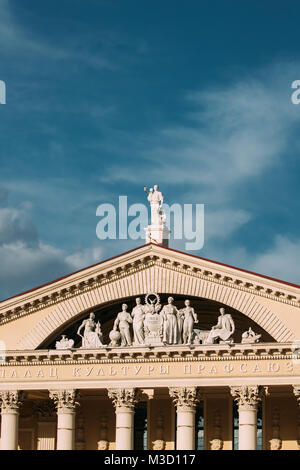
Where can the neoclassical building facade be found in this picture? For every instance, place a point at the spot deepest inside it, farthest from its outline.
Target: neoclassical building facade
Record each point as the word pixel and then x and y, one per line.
pixel 87 366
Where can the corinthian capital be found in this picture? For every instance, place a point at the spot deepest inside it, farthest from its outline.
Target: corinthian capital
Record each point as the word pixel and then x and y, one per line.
pixel 184 397
pixel 64 400
pixel 124 397
pixel 11 399
pixel 247 396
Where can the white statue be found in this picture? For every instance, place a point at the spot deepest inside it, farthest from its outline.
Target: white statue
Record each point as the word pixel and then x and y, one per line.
pixel 64 343
pixel 92 336
pixel 153 323
pixel 156 200
pixel 224 329
pixel 250 337
pixel 190 318
pixel 170 315
pixel 138 315
pixel 122 323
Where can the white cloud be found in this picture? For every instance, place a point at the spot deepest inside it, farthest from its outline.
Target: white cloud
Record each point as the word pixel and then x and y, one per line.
pixel 230 135
pixel 85 257
pixel 223 223
pixel 281 260
pixel 26 261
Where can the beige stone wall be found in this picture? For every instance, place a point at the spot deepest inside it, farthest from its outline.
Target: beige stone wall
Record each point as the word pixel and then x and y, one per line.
pixel 223 405
pixel 288 410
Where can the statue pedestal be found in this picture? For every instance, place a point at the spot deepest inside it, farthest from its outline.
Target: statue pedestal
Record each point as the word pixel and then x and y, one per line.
pixel 153 341
pixel 159 234
pixel 153 329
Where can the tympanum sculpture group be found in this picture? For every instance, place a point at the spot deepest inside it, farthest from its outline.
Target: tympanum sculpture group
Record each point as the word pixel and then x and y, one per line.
pixel 153 324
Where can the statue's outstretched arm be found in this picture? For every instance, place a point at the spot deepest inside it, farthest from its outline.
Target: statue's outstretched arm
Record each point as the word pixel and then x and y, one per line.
pixel 195 316
pixel 116 323
pixel 80 328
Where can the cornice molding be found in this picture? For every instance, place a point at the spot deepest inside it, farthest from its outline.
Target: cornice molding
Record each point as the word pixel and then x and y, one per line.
pixel 118 269
pixel 199 353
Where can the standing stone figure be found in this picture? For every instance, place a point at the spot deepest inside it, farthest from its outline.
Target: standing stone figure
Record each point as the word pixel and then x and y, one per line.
pixel 92 336
pixel 156 202
pixel 224 329
pixel 138 315
pixel 190 318
pixel 170 315
pixel 122 322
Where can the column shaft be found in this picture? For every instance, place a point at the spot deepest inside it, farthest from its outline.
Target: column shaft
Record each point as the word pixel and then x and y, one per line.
pixel 10 403
pixel 124 400
pixel 124 428
pixel 9 429
pixel 185 400
pixel 247 429
pixel 247 398
pixel 65 430
pixel 185 429
pixel 65 401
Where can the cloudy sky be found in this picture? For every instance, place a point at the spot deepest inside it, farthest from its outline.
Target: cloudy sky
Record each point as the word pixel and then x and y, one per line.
pixel 105 97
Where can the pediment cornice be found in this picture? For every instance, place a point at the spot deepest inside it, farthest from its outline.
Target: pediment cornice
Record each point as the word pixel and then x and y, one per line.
pixel 140 259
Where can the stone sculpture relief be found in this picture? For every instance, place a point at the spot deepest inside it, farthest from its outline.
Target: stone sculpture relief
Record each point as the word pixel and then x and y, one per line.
pixel 216 443
pixel 64 343
pixel 103 443
pixel 275 442
pixel 159 443
pixel 156 200
pixel 223 330
pixel 250 337
pixel 122 324
pixel 153 324
pixel 92 336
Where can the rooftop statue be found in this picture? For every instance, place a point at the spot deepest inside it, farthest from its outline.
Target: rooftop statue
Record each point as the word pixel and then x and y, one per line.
pixel 92 335
pixel 189 319
pixel 223 330
pixel 156 200
pixel 138 315
pixel 170 315
pixel 122 323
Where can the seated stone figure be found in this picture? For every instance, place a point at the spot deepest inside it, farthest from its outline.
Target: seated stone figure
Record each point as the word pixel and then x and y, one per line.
pixel 92 336
pixel 223 330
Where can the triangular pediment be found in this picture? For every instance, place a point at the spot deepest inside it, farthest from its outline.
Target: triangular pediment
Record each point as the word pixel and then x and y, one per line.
pixel 153 268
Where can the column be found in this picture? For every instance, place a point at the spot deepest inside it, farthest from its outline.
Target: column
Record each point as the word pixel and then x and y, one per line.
pixel 247 398
pixel 185 400
pixel 65 402
pixel 10 403
pixel 124 400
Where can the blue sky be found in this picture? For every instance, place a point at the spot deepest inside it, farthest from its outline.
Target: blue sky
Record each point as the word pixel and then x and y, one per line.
pixel 105 97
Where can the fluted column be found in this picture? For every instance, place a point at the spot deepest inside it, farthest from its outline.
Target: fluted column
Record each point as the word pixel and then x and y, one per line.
pixel 124 401
pixel 247 399
pixel 65 402
pixel 10 403
pixel 185 400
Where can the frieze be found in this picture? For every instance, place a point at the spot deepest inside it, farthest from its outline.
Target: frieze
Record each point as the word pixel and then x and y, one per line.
pixel 149 370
